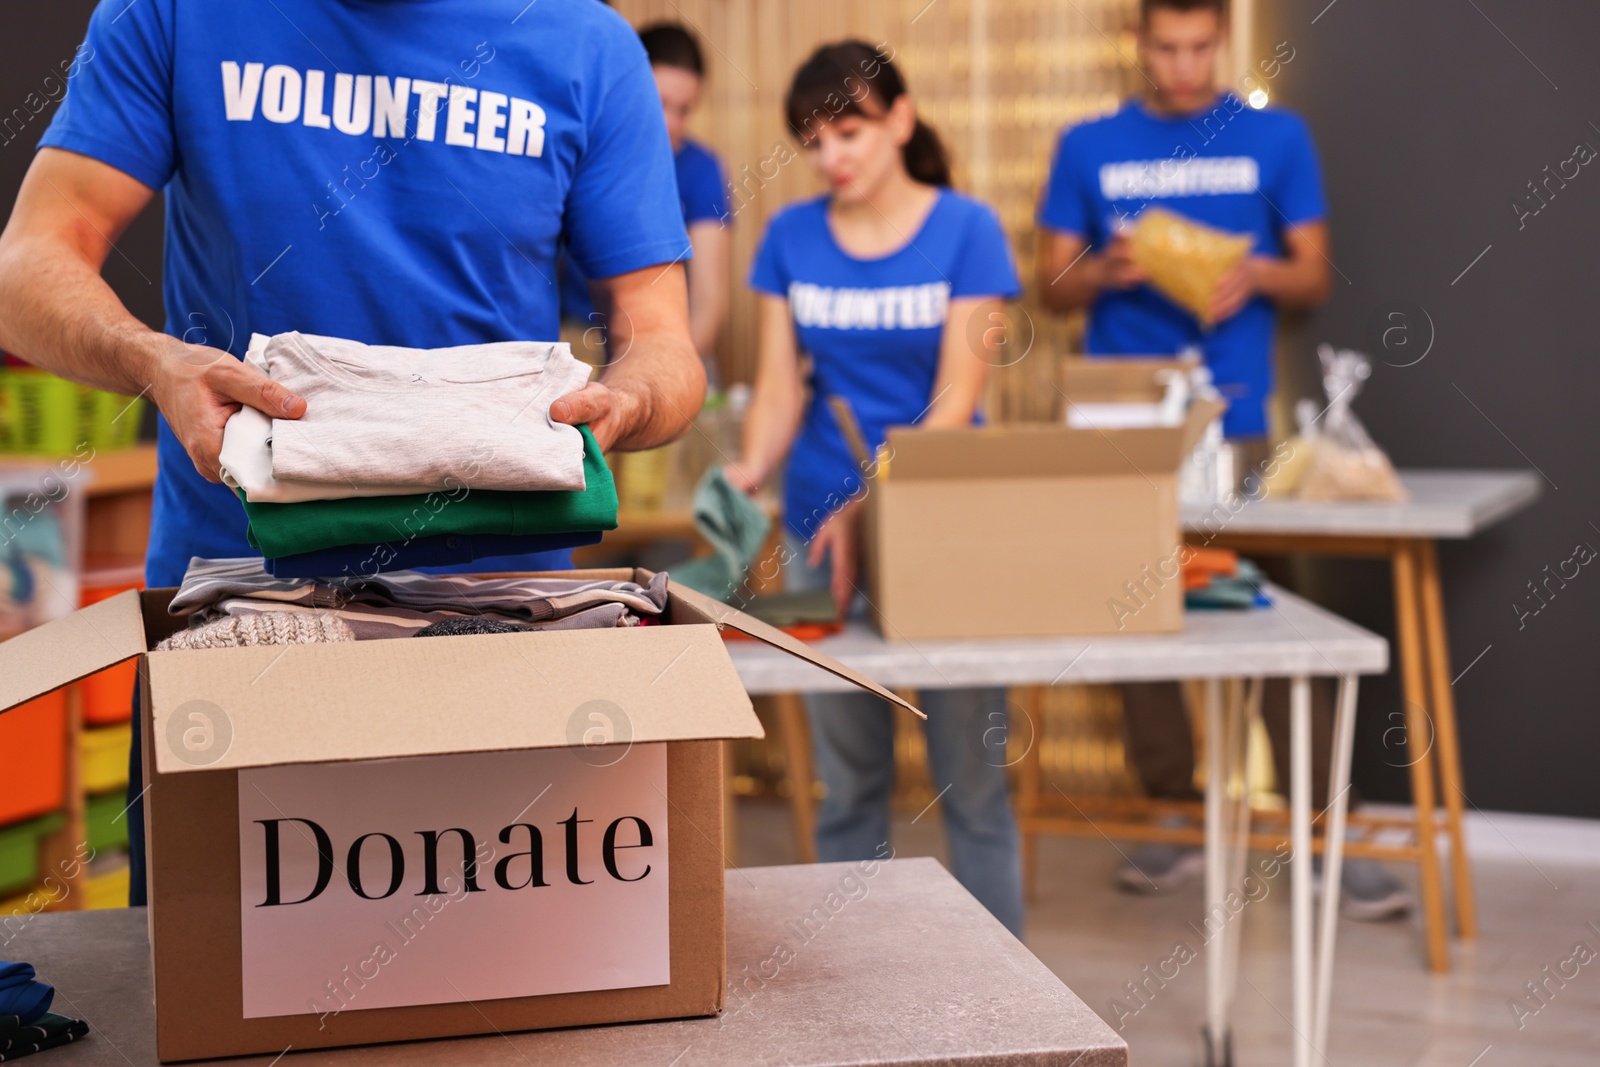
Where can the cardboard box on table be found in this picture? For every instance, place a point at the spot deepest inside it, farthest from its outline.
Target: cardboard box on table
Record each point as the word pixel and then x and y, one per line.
pixel 402 737
pixel 1034 529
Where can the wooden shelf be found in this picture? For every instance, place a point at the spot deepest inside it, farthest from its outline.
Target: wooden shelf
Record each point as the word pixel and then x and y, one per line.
pixel 128 471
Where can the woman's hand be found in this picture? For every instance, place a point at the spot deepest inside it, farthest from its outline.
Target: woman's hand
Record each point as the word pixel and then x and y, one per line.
pixel 840 541
pixel 742 476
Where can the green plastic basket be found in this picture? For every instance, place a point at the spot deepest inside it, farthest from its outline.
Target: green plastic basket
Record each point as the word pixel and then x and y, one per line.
pixel 19 850
pixel 108 829
pixel 42 415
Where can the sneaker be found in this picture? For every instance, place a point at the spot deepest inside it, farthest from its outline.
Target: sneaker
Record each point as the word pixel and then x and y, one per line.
pixel 1160 868
pixel 1367 891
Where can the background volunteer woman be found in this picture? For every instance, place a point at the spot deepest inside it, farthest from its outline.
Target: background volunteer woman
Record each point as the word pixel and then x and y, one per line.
pixel 679 67
pixel 877 282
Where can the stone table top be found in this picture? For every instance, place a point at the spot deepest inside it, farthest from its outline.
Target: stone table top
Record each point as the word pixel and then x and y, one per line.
pixel 1443 504
pixel 1292 637
pixel 888 964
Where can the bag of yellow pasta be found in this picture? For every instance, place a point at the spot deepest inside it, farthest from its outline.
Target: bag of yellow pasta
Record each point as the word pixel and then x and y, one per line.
pixel 1345 462
pixel 1185 260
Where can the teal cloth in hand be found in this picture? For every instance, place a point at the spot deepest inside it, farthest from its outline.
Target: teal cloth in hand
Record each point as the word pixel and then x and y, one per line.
pixel 734 525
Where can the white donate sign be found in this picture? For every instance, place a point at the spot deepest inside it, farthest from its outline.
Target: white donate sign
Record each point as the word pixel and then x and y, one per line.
pixel 441 879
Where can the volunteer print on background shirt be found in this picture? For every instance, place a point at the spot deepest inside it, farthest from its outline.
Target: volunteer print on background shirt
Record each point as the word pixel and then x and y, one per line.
pixel 1233 167
pixel 393 172
pixel 872 329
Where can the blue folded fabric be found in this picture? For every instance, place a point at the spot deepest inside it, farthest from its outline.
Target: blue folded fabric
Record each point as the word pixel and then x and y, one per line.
pixel 442 550
pixel 1241 591
pixel 20 994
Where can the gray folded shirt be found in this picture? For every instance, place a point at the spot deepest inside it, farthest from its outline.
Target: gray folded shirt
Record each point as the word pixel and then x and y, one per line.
pixel 473 415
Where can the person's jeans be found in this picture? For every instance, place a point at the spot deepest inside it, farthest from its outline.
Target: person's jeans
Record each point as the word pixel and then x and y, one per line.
pixel 853 740
pixel 138 897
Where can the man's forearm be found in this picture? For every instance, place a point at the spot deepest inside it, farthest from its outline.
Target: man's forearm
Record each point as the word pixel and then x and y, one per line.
pixel 662 394
pixel 1075 285
pixel 57 313
pixel 1294 283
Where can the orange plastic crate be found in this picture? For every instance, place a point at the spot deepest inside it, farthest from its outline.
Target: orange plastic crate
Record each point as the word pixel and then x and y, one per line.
pixel 108 695
pixel 33 758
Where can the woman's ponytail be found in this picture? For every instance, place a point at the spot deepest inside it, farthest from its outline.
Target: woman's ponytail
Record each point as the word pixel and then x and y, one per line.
pixel 838 78
pixel 926 159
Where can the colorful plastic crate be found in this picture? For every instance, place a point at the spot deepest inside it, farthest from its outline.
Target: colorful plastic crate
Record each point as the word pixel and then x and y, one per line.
pixel 19 851
pixel 41 414
pixel 33 758
pixel 104 754
pixel 106 823
pixel 108 890
pixel 107 697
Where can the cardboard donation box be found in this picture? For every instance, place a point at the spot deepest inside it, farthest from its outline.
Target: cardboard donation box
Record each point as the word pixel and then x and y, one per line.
pixel 397 839
pixel 1034 529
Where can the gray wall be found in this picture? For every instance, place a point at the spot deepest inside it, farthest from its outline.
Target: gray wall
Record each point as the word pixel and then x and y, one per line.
pixel 33 48
pixel 1431 120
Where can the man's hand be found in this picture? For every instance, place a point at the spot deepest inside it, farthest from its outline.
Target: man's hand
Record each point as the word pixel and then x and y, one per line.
pixel 654 384
pixel 610 413
pixel 1235 289
pixel 198 388
pixel 1119 270
pixel 839 539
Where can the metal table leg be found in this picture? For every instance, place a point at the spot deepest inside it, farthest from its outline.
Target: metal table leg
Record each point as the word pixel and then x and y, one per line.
pixel 1300 869
pixel 1344 733
pixel 1227 841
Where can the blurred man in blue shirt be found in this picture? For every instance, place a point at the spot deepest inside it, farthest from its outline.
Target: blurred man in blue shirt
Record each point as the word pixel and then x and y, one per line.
pixel 1197 149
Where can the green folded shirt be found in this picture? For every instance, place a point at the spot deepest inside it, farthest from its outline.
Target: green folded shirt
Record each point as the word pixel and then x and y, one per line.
pixel 287 529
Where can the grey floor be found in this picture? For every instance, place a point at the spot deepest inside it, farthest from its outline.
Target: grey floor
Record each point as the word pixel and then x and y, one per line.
pixel 1535 912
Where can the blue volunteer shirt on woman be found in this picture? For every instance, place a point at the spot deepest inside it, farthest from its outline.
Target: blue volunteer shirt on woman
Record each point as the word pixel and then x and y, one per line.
pixel 702 193
pixel 1233 167
pixel 872 328
pixel 396 173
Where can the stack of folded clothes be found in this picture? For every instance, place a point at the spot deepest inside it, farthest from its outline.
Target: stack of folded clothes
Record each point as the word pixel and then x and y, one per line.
pixel 234 602
pixel 1216 578
pixel 27 1025
pixel 414 457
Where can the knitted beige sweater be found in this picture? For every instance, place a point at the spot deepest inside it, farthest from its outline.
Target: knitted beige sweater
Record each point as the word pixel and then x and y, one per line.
pixel 268 628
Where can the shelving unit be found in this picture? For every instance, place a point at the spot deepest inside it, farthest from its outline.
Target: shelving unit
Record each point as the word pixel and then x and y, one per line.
pixel 107 501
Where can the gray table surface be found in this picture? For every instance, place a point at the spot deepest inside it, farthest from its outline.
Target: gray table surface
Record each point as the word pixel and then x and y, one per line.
pixel 1443 504
pixel 1292 637
pixel 908 970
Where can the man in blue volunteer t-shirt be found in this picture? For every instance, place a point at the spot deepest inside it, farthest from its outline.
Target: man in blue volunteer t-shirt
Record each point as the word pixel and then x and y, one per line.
pixel 396 173
pixel 1204 154
pixel 680 69
pixel 1199 151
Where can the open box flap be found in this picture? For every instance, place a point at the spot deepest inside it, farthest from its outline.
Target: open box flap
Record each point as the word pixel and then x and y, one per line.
pixel 1201 414
pixel 1118 379
pixel 63 650
pixel 1030 450
pixel 721 615
pixel 215 709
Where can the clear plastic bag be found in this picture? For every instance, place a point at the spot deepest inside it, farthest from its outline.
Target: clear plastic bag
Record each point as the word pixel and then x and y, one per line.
pixel 1345 463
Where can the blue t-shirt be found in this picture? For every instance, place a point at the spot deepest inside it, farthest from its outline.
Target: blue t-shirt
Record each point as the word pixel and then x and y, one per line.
pixel 397 173
pixel 704 196
pixel 872 328
pixel 1232 167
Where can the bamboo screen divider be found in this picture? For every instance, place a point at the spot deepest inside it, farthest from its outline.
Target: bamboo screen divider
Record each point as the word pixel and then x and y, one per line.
pixel 998 79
